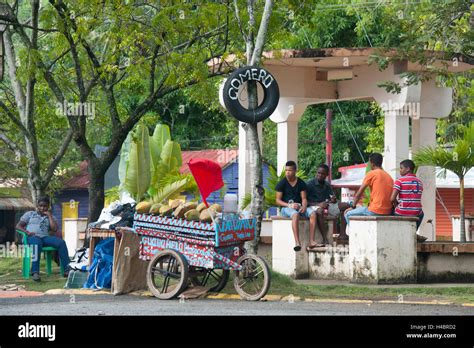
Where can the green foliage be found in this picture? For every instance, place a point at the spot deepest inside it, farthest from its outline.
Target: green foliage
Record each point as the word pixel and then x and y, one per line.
pixel 137 176
pixel 459 159
pixel 356 118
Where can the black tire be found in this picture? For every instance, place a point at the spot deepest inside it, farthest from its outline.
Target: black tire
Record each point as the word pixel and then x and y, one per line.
pixel 255 274
pixel 213 279
pixel 270 98
pixel 167 274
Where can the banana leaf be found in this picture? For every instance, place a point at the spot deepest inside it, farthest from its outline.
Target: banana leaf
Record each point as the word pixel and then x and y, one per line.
pixel 160 136
pixel 124 154
pixel 169 165
pixel 137 177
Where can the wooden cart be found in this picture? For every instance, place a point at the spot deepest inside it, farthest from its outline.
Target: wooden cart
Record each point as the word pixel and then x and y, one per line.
pixel 183 251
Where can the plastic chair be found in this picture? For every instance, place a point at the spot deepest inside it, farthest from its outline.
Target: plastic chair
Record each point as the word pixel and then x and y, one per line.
pixel 27 257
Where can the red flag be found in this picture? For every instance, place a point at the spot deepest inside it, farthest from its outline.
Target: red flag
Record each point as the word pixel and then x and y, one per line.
pixel 208 176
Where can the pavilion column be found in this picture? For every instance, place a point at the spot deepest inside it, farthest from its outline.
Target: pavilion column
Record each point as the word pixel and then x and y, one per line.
pixel 395 141
pixel 424 134
pixel 287 140
pixel 244 159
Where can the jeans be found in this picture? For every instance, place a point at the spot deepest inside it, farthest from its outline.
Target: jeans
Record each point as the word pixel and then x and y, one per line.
pixel 420 219
pixel 39 242
pixel 361 211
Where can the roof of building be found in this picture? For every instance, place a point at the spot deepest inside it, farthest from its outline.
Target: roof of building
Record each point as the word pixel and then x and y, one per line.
pixel 222 157
pixel 333 58
pixel 79 181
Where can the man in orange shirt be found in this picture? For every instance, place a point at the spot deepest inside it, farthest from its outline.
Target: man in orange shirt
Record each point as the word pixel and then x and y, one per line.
pixel 380 184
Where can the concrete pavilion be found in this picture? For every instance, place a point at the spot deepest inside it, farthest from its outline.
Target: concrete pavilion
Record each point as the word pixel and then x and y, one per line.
pixel 314 76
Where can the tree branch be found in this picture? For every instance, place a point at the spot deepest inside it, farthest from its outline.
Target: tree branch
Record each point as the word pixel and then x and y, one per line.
pixel 262 31
pixel 54 163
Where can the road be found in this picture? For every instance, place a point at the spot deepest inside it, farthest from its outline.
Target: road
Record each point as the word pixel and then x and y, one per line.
pixel 138 305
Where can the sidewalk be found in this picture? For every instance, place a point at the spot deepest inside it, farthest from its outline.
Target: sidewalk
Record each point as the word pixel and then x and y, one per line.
pixel 378 286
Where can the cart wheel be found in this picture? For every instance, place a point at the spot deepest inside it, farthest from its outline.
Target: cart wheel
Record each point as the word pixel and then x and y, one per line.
pixel 167 274
pixel 253 281
pixel 213 279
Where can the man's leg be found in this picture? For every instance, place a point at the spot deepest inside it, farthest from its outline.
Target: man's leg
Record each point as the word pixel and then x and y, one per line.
pixel 37 245
pixel 321 219
pixel 62 249
pixel 342 231
pixel 361 211
pixel 312 226
pixel 295 219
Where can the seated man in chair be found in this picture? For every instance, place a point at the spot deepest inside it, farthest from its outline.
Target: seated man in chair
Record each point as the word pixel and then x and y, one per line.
pixel 40 226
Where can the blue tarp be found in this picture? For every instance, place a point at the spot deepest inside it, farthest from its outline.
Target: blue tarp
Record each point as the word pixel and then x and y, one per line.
pixel 100 272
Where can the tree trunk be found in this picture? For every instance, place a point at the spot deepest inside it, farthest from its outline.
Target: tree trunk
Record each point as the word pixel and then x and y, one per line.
pixel 254 51
pixel 256 175
pixel 462 231
pixel 96 192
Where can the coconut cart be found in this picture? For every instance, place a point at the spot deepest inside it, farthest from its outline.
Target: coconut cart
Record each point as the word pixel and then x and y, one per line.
pixel 203 254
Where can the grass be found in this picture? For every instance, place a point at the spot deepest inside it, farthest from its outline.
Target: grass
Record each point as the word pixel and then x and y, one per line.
pixel 285 286
pixel 10 273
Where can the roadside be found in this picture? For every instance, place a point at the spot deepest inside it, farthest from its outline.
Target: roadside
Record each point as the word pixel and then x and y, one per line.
pixel 282 288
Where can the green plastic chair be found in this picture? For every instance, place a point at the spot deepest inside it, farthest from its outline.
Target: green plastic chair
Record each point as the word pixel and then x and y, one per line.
pixel 27 257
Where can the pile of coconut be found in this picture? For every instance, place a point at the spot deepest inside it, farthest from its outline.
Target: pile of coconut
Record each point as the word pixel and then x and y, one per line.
pixel 191 211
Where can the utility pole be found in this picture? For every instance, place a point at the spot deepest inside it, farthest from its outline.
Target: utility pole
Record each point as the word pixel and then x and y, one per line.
pixel 329 142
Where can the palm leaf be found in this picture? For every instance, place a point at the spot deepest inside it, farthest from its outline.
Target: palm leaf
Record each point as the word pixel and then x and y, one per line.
pixel 170 190
pixel 160 136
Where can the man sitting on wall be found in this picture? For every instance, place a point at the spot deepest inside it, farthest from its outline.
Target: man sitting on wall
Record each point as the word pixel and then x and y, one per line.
pixel 291 195
pixel 408 188
pixel 380 184
pixel 322 197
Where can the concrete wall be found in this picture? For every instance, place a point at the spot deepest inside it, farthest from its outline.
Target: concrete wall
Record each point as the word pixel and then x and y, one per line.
pixel 284 259
pixel 382 249
pixel 331 263
pixel 440 268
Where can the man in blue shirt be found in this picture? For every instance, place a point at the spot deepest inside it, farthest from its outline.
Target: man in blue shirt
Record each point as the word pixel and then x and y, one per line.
pixel 40 226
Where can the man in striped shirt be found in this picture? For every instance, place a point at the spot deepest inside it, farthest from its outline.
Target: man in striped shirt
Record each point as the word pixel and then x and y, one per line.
pixel 409 189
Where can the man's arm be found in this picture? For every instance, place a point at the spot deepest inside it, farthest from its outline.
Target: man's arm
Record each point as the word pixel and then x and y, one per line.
pixel 393 197
pixel 279 201
pixel 21 225
pixel 357 196
pixel 53 225
pixel 304 202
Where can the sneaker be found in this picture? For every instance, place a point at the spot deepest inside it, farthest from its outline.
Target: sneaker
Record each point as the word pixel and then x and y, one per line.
pixel 420 239
pixel 36 277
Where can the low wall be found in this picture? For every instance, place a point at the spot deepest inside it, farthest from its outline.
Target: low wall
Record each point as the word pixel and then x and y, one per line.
pixel 330 263
pixel 382 249
pixel 284 259
pixel 445 262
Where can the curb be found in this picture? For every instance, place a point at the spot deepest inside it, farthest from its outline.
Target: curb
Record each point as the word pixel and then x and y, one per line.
pixel 220 296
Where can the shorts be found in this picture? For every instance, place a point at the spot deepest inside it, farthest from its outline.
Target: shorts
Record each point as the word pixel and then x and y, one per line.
pixel 333 209
pixel 289 212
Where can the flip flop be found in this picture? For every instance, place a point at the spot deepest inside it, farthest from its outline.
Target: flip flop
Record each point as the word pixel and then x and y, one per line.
pixel 297 248
pixel 312 247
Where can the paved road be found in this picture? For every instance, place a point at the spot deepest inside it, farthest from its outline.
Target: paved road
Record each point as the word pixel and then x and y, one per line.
pixel 137 305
